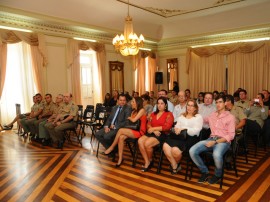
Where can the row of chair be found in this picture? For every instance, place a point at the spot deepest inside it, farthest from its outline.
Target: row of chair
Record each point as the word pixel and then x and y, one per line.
pixel 92 117
pixel 233 152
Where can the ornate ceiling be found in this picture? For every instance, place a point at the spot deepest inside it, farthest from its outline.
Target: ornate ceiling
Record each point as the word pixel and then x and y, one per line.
pixel 162 22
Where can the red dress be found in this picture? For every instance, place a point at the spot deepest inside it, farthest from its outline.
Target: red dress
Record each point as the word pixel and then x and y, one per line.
pixel 165 120
pixel 142 131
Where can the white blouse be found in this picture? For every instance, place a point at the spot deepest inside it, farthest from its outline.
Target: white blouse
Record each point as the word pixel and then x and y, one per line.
pixel 193 125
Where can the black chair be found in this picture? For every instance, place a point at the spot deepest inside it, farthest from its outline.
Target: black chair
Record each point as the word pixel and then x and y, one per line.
pixel 185 154
pixel 132 144
pixel 18 112
pixel 99 124
pixel 241 141
pixel 74 131
pixel 87 120
pixel 208 155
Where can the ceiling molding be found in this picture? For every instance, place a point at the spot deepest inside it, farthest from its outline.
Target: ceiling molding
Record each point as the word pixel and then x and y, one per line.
pixel 64 28
pixel 166 13
pixel 184 42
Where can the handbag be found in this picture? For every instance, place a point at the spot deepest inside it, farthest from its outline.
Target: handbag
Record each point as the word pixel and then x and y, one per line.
pixel 133 125
pixel 182 136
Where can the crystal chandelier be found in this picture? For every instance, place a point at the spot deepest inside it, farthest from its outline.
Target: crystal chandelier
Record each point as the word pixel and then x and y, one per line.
pixel 129 43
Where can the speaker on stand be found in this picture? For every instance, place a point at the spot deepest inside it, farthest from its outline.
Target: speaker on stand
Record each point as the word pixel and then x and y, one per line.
pixel 159 78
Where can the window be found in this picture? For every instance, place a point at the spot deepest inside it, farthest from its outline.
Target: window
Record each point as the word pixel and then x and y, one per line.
pixel 88 69
pixel 19 86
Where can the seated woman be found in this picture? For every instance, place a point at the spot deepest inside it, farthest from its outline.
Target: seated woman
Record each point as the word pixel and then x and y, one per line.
pixel 174 147
pixel 124 133
pixel 158 127
pixel 146 105
pixel 107 100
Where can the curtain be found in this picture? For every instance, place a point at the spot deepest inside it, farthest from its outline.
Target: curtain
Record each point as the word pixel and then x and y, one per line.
pixel 3 63
pixel 140 67
pixel 206 73
pixel 39 53
pixel 152 66
pixel 74 48
pixel 74 65
pixel 19 86
pixel 249 71
pixel 248 65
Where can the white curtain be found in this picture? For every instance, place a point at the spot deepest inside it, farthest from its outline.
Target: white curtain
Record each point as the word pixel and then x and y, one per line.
pixel 19 86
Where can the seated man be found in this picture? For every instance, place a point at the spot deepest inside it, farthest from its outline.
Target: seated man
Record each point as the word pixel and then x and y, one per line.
pixel 243 102
pixel 164 93
pixel 36 111
pixel 181 107
pixel 46 112
pixel 237 112
pixel 116 120
pixel 65 120
pixel 256 114
pixel 222 125
pixel 205 109
pixel 266 126
pixel 43 132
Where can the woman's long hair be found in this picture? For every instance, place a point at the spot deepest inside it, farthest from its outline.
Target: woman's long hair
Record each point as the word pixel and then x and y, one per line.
pixel 164 99
pixel 195 105
pixel 139 103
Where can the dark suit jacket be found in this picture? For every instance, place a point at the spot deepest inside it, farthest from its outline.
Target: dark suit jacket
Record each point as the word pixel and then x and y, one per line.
pixel 121 118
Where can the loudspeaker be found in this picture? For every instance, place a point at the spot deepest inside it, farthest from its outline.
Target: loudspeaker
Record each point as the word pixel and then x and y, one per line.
pixel 159 77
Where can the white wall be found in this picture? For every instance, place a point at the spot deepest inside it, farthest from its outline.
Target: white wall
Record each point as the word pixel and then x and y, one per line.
pixel 56 77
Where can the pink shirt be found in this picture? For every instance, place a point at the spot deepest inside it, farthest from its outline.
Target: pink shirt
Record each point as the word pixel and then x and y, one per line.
pixel 222 125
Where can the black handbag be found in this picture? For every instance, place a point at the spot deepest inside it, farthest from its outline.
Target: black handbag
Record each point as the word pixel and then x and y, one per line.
pixel 133 125
pixel 182 136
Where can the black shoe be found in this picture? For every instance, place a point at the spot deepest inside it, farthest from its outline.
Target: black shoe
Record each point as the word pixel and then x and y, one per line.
pixel 176 170
pixel 46 142
pixel 203 178
pixel 103 153
pixel 214 179
pixel 24 133
pixel 8 127
pixel 60 145
pixel 228 166
pixel 118 165
pixel 149 167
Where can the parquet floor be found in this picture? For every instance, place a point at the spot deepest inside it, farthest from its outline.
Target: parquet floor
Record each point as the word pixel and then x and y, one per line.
pixel 30 172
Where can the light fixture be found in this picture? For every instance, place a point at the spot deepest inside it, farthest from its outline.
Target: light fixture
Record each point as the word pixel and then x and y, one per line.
pixel 129 43
pixel 83 39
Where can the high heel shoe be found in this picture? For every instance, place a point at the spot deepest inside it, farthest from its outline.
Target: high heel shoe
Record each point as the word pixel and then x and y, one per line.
pixel 8 127
pixel 103 153
pixel 148 167
pixel 118 165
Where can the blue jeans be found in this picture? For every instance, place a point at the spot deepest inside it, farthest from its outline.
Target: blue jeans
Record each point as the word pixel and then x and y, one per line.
pixel 218 151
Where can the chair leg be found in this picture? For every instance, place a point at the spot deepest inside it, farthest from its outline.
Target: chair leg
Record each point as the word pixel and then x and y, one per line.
pixel 134 154
pixel 160 162
pixel 187 162
pixel 97 149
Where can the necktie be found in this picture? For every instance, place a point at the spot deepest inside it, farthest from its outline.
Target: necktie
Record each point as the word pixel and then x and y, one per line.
pixel 242 102
pixel 116 116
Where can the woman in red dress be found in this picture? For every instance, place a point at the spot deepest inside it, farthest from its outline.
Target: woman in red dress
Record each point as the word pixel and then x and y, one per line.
pixel 158 127
pixel 124 133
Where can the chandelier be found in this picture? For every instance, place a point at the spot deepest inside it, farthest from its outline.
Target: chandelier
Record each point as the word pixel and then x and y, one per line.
pixel 129 43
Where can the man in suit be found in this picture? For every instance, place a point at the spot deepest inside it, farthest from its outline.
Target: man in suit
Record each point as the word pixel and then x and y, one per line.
pixel 116 120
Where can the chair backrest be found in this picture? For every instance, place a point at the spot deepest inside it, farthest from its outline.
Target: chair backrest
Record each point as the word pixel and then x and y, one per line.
pixel 90 107
pixel 88 114
pixel 99 108
pixel 18 109
pixel 80 112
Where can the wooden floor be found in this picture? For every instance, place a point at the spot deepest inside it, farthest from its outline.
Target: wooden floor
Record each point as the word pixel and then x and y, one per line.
pixel 30 172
